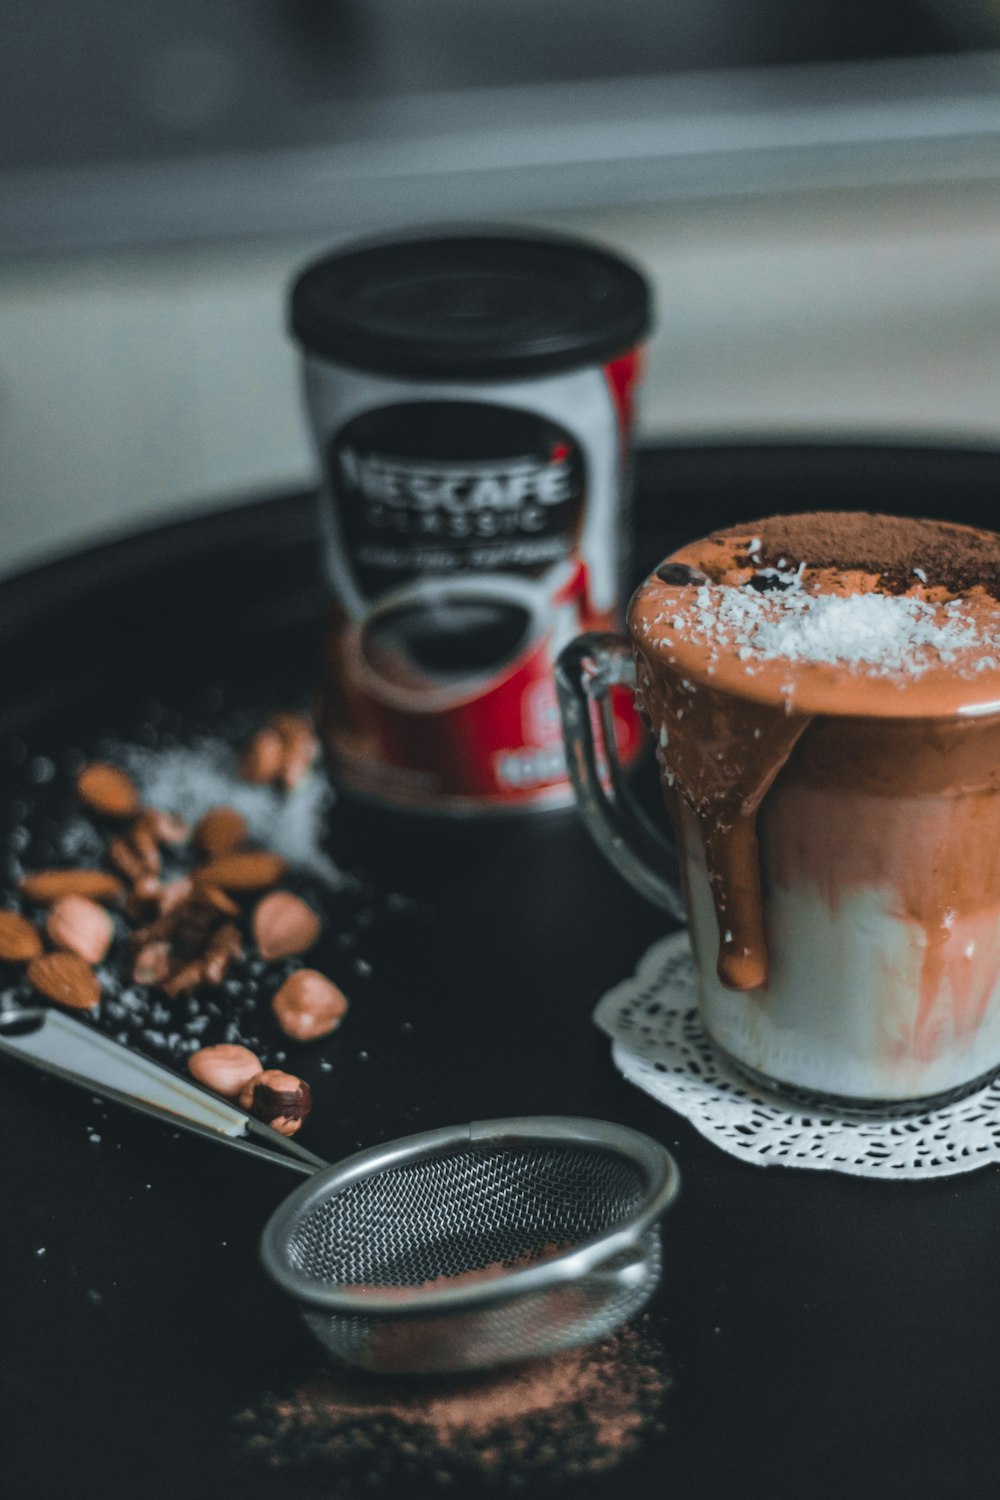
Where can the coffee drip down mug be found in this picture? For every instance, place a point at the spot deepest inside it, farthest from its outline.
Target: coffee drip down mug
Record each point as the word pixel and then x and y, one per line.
pixel 859 1012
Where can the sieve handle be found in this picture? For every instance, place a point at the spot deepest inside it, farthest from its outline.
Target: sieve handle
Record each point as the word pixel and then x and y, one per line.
pixel 80 1054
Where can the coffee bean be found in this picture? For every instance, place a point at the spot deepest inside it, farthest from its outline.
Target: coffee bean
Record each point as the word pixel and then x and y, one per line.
pixel 680 574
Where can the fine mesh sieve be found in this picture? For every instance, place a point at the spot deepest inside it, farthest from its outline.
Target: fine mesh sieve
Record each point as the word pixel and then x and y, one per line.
pixel 473 1246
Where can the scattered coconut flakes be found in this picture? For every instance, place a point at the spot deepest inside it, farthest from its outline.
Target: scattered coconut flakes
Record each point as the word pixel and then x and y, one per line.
pixel 887 633
pixel 191 779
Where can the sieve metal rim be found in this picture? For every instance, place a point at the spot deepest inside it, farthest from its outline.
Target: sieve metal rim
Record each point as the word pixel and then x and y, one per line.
pixel 662 1179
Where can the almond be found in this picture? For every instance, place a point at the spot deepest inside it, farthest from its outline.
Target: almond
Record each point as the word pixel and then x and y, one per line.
pixel 107 791
pixel 65 978
pixel 225 1068
pixel 210 895
pixel 300 745
pixel 221 830
pixel 19 939
pixel 46 886
pixel 264 757
pixel 284 925
pixel 80 926
pixel 309 1006
pixel 249 870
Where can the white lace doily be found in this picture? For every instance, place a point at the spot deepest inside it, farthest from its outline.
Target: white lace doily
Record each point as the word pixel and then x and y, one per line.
pixel 658 1044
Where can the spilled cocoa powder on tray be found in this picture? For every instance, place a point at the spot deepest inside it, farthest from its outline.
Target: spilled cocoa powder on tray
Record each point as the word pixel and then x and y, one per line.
pixel 577 1413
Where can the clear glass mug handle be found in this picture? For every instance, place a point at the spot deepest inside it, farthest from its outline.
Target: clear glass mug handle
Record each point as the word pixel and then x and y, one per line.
pixel 586 671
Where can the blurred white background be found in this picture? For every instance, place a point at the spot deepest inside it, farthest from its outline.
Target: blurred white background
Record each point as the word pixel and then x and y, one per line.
pixel 816 199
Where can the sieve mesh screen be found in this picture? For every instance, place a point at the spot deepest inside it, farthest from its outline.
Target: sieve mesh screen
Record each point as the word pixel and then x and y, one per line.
pixel 462 1211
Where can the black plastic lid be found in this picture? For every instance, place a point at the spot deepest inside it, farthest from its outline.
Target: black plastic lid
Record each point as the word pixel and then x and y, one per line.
pixel 483 306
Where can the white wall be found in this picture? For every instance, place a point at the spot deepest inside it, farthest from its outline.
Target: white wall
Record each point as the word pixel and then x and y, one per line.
pixel 133 386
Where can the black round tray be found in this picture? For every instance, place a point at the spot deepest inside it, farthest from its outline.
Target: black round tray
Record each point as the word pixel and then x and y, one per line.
pixel 822 1336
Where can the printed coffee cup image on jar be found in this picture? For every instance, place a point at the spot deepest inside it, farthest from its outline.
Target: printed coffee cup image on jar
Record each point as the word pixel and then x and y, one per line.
pixel 824 694
pixel 472 399
pixel 453 682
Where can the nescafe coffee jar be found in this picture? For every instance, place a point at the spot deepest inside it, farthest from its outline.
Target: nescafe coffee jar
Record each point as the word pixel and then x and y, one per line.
pixel 471 397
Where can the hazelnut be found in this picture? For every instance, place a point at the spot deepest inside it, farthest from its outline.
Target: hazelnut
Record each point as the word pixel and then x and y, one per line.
pixel 225 1068
pixel 309 1006
pixel 79 925
pixel 279 1099
pixel 284 925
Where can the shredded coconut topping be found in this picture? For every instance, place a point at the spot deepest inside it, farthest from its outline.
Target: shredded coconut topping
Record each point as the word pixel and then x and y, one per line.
pixel 883 633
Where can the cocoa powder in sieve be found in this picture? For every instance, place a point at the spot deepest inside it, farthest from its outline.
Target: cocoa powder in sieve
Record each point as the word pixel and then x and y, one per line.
pixel 576 1413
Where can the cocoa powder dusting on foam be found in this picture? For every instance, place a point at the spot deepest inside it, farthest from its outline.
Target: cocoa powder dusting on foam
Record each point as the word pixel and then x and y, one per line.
pixel 955 558
pixel 576 1413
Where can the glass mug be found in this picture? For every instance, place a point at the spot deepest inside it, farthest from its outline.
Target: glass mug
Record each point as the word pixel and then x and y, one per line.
pixel 879 892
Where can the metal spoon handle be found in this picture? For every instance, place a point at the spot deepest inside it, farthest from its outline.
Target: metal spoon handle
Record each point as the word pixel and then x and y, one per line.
pixel 67 1049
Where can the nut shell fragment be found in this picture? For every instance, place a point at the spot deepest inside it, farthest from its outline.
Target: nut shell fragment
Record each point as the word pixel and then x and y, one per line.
pixel 80 926
pixel 309 1006
pixel 225 1069
pixel 66 979
pixel 283 925
pixel 19 938
pixel 279 1099
pixel 107 790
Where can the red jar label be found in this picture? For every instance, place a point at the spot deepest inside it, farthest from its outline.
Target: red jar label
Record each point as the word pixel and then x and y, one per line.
pixel 468 540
